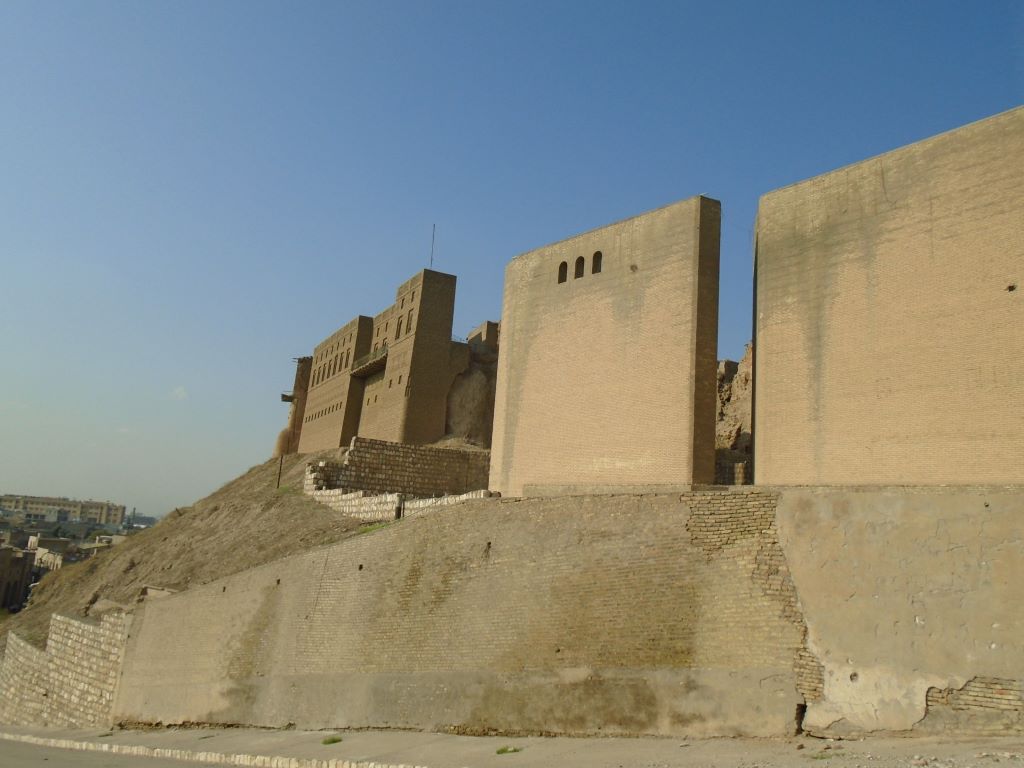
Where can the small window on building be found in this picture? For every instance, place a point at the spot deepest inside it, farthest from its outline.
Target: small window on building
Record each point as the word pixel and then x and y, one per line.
pixel 403 304
pixel 408 324
pixel 375 398
pixel 399 378
pixel 563 272
pixel 595 265
pixel 413 297
pixel 390 381
pixel 367 401
pixel 581 265
pixel 398 329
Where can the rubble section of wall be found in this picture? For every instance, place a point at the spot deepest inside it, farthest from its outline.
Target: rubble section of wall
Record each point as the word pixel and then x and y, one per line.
pixel 619 614
pixel 382 467
pixel 909 596
pixel 72 682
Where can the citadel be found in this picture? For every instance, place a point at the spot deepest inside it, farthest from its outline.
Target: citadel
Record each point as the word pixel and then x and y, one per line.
pixel 565 554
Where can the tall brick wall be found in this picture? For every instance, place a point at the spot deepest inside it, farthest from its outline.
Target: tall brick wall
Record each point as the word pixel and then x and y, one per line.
pixel 626 614
pixel 72 682
pixel 609 379
pixel 889 309
pixel 382 467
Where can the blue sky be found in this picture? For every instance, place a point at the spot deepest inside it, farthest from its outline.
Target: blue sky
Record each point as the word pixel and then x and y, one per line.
pixel 193 193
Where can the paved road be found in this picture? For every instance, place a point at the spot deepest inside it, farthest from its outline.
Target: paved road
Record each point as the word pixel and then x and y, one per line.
pixel 449 751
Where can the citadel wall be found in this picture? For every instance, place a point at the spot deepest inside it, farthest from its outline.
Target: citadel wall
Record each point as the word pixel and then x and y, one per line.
pixel 889 308
pixel 607 373
pixel 669 614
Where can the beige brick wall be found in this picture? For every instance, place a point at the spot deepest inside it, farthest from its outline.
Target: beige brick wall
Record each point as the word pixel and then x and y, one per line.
pixel 617 614
pixel 608 380
pixel 70 684
pixel 889 344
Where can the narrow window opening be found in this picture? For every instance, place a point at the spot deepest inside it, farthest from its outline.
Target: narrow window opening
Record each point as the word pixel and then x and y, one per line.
pixel 398 329
pixel 595 266
pixel 563 272
pixel 581 265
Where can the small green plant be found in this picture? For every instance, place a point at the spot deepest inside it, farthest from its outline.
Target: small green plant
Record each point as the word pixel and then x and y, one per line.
pixel 104 735
pixel 372 527
pixel 507 750
pixel 331 739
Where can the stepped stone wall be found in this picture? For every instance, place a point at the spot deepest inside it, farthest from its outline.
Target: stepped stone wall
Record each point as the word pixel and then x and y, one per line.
pixel 382 467
pixel 71 683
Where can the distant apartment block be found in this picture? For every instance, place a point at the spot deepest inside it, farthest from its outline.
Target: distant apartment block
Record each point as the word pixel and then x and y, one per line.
pixel 49 509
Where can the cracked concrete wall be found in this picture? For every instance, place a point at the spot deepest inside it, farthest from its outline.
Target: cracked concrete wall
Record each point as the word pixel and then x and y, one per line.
pixel 909 595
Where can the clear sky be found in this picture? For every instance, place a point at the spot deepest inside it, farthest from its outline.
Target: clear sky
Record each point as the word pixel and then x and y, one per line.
pixel 193 193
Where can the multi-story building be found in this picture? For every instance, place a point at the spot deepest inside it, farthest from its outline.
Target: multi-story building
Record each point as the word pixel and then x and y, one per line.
pixel 49 509
pixel 385 377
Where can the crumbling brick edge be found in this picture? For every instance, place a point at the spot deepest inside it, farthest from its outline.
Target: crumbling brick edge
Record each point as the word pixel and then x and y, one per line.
pixel 216 758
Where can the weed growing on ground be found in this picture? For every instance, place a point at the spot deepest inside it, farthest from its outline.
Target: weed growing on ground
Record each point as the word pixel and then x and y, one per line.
pixel 331 740
pixel 506 750
pixel 372 527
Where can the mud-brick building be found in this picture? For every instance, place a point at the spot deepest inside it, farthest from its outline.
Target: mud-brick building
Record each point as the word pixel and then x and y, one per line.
pixel 385 377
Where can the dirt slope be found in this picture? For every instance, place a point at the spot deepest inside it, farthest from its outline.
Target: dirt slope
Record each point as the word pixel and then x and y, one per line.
pixel 246 523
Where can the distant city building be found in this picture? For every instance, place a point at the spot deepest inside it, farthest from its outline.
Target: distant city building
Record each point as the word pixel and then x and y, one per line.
pixel 49 509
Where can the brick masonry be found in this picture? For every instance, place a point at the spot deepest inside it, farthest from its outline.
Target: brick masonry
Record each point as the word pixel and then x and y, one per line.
pixel 889 309
pixel 607 381
pixel 72 683
pixel 381 467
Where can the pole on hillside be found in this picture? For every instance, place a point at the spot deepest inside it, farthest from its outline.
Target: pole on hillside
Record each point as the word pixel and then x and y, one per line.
pixel 280 466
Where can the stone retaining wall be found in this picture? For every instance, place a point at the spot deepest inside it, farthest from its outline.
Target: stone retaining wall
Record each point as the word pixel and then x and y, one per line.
pixel 70 684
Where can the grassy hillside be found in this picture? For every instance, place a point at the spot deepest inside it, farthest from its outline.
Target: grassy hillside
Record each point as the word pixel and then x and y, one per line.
pixel 246 523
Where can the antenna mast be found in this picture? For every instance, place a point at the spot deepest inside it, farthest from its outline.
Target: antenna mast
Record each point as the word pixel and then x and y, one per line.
pixel 433 231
